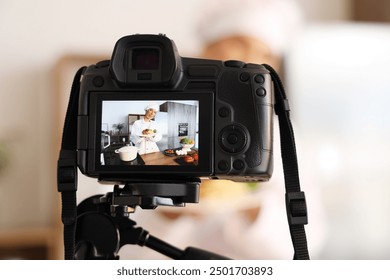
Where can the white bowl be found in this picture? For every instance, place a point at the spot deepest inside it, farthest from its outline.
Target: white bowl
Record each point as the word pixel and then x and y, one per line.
pixel 187 147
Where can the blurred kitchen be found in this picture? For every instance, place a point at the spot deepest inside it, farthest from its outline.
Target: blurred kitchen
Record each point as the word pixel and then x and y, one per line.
pixel 335 72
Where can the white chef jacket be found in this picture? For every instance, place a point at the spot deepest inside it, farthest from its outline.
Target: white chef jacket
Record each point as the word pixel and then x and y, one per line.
pixel 145 145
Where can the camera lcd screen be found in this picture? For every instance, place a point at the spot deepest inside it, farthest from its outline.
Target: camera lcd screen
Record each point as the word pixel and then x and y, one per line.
pixel 154 134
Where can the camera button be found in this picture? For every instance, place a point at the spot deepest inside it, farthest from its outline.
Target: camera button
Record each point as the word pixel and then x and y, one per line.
pixel 238 164
pixel 223 112
pixel 261 92
pixel 244 77
pixel 259 79
pixel 232 139
pixel 253 66
pixel 223 165
pixel 234 63
pixel 98 81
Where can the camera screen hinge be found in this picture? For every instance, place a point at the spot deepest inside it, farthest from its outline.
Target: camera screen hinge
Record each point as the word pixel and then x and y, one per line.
pixel 282 106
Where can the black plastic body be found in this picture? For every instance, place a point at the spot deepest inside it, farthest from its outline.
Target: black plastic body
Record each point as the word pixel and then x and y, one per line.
pixel 235 110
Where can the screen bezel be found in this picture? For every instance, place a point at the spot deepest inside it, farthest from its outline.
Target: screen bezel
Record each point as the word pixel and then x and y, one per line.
pixel 206 124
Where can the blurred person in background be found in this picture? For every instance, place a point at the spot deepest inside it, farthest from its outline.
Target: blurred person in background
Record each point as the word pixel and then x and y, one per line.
pixel 239 220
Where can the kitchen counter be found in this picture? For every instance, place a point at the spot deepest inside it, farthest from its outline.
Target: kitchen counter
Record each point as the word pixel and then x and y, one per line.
pixel 159 158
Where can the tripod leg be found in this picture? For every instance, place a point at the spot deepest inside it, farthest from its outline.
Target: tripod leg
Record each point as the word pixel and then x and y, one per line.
pixel 163 248
pixel 131 235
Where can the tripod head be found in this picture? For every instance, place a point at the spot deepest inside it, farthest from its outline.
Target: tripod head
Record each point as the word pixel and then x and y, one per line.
pixel 104 226
pixel 149 195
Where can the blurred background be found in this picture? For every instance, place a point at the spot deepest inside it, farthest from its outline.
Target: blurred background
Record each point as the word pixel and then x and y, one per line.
pixel 335 70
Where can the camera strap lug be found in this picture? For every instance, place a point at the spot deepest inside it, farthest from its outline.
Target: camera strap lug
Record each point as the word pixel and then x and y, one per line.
pixel 282 106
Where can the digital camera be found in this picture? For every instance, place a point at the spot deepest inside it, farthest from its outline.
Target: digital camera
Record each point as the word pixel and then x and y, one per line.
pixel 150 113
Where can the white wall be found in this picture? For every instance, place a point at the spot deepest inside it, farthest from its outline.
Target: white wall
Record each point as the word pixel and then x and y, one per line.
pixel 115 112
pixel 338 79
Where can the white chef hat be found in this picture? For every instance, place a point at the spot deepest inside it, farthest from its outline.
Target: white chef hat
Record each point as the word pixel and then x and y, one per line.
pixel 153 106
pixel 275 22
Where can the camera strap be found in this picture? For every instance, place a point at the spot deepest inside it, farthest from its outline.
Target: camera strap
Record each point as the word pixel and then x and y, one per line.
pixel 67 169
pixel 295 198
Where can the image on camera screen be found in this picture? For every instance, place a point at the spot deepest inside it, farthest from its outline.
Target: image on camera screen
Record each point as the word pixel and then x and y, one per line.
pixel 149 132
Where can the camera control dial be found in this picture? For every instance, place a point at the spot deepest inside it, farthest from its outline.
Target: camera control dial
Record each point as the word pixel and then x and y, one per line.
pixel 234 63
pixel 233 139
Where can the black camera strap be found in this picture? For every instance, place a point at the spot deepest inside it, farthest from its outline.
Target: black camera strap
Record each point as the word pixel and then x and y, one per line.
pixel 295 198
pixel 67 169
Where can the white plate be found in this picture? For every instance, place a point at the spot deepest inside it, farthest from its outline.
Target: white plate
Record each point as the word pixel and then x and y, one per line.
pixel 147 135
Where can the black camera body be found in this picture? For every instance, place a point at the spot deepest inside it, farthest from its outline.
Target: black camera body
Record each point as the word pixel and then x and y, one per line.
pixel 213 118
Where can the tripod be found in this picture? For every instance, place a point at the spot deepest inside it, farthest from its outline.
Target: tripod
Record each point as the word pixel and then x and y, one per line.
pixel 104 226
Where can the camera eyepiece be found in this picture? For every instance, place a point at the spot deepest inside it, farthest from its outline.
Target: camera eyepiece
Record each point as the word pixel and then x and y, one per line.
pixel 142 60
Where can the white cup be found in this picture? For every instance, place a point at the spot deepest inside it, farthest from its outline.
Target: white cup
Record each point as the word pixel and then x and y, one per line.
pixel 127 153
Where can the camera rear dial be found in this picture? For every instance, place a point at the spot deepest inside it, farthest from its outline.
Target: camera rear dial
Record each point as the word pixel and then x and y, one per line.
pixel 233 139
